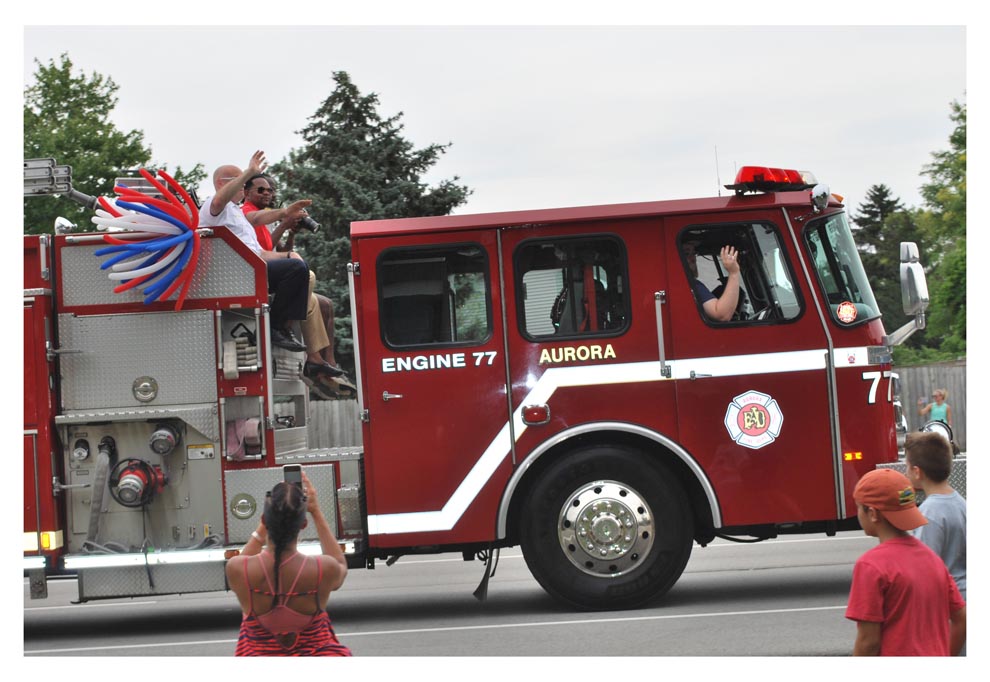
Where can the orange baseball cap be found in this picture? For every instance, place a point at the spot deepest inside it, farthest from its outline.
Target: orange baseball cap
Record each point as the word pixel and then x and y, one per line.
pixel 890 492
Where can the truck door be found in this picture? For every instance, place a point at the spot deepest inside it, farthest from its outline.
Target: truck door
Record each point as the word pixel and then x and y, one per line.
pixel 753 392
pixel 436 443
pixel 582 327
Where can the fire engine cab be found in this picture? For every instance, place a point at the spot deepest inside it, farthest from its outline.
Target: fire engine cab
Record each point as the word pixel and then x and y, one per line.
pixel 554 379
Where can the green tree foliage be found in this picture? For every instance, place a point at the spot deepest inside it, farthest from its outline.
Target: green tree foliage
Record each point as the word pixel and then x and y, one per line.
pixel 881 224
pixel 356 165
pixel 944 223
pixel 939 229
pixel 67 117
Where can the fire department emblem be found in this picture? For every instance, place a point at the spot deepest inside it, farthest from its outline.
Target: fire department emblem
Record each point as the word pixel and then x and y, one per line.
pixel 754 419
pixel 846 312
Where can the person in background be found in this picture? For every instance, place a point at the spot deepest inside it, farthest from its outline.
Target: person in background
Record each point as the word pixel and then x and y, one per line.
pixel 938 410
pixel 902 597
pixel 283 593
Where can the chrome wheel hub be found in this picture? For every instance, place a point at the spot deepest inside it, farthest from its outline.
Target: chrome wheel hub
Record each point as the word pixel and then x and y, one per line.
pixel 605 528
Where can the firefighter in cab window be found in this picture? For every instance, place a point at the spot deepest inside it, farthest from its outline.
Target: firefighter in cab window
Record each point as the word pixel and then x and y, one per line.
pixel 720 308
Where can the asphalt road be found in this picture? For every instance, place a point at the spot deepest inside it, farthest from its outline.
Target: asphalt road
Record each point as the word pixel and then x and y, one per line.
pixel 784 597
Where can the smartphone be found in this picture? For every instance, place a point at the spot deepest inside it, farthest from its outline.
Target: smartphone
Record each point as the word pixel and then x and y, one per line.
pixel 292 473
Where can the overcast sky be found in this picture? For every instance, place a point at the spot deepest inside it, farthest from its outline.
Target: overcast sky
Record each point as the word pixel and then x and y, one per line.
pixel 542 117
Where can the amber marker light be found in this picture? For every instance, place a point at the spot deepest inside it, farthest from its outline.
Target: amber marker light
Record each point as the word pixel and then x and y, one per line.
pixel 535 414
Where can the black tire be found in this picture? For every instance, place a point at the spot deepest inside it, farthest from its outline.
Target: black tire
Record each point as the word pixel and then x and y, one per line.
pixel 570 522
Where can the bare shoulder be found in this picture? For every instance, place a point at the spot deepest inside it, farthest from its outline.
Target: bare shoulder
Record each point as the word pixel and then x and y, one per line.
pixel 334 572
pixel 235 568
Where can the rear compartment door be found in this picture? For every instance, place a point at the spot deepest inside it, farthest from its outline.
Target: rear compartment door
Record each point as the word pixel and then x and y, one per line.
pixel 436 443
pixel 42 510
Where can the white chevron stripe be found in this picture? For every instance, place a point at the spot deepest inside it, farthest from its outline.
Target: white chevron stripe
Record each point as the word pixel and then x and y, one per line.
pixel 594 375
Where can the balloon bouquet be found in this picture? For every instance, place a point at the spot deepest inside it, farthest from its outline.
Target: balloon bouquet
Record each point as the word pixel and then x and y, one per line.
pixel 155 241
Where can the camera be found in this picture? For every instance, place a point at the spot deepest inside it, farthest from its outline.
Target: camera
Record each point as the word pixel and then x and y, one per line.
pixel 308 223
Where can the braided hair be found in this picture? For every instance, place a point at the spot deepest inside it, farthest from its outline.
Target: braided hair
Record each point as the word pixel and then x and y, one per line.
pixel 284 515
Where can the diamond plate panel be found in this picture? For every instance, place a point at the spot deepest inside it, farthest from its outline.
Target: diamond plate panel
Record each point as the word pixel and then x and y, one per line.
pixel 176 349
pixel 351 519
pixel 246 490
pixel 220 273
pixel 132 581
pixel 957 477
pixel 203 418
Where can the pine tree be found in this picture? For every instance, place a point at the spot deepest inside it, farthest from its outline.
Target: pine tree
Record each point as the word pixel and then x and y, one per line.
pixel 879 204
pixel 356 165
pixel 881 224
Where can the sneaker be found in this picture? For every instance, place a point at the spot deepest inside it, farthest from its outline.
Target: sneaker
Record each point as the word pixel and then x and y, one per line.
pixel 285 339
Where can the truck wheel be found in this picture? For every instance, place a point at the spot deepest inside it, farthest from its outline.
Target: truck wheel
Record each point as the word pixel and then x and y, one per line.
pixel 606 528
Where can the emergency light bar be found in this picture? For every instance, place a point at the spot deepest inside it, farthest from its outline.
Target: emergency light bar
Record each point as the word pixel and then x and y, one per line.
pixel 762 179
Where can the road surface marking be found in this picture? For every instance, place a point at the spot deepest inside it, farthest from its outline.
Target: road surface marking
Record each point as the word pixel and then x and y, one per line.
pixel 87 606
pixel 344 636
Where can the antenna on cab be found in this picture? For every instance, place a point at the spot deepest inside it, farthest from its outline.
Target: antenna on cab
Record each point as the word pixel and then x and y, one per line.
pixel 718 180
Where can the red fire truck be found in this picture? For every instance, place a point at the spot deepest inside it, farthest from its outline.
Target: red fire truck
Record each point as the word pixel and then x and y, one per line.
pixel 543 378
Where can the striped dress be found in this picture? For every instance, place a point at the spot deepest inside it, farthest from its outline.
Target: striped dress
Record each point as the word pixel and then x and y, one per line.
pixel 284 631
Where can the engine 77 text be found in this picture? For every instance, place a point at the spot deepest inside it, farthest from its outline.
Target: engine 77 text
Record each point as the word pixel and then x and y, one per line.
pixel 439 361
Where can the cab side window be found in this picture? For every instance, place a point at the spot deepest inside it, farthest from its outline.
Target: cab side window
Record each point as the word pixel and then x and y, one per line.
pixel 766 292
pixel 572 287
pixel 434 296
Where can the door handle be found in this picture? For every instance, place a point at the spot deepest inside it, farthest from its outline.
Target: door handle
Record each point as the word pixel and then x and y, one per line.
pixel 659 298
pixel 386 396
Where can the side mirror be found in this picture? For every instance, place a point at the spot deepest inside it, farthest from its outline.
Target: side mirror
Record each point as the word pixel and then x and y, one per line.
pixel 914 294
pixel 914 284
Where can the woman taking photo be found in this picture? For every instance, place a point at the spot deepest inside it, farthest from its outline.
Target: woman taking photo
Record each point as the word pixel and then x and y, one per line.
pixel 283 594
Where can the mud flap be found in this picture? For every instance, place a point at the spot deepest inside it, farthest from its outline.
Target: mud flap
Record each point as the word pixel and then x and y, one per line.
pixel 38 583
pixel 491 562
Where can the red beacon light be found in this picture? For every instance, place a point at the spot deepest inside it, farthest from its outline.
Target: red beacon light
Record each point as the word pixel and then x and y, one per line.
pixel 764 179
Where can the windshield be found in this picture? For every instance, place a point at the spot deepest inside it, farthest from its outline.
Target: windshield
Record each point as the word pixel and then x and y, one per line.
pixel 840 271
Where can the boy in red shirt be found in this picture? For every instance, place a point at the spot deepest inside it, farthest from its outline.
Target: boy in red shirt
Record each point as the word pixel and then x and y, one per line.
pixel 903 599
